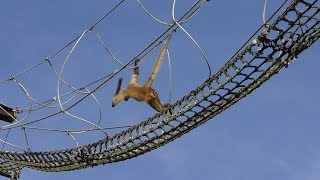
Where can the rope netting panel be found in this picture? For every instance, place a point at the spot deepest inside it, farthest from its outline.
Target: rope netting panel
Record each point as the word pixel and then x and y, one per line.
pixel 274 47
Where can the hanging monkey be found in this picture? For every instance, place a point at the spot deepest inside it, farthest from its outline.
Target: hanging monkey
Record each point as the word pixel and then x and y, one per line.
pixel 145 92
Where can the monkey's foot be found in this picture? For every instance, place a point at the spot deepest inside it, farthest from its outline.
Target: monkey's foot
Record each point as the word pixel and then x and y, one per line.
pixel 167 118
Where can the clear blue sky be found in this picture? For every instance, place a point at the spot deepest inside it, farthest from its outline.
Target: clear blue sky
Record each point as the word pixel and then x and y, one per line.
pixel 271 134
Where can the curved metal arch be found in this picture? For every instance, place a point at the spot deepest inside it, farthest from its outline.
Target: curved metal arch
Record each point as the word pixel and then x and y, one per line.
pixel 275 47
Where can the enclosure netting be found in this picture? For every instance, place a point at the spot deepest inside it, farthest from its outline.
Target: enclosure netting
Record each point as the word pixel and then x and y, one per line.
pixel 293 28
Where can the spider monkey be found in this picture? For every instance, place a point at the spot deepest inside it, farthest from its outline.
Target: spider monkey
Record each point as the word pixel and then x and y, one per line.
pixel 145 92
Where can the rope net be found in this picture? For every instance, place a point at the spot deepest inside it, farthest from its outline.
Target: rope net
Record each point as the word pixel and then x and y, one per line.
pixel 279 41
pixel 70 94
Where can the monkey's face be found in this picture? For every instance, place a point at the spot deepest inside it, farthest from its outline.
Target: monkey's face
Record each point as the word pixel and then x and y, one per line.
pixel 154 100
pixel 152 94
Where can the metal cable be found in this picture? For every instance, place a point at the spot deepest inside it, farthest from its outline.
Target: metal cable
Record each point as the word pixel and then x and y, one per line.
pixel 231 83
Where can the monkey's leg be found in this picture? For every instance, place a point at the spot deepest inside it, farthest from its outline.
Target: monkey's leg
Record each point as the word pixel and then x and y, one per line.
pixel 118 86
pixel 135 74
pixel 117 97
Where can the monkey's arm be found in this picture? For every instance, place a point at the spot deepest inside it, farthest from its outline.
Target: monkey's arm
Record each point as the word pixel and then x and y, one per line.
pixel 156 67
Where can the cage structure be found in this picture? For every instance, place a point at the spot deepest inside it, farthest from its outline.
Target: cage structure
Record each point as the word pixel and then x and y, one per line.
pixel 272 48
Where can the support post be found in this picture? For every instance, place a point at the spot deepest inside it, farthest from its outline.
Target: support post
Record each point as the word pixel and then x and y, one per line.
pixel 6 113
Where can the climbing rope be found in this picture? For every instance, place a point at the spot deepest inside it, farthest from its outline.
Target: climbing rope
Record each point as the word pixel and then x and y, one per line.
pixel 266 53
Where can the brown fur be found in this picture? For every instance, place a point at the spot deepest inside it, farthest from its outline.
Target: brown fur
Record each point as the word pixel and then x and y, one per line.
pixel 145 92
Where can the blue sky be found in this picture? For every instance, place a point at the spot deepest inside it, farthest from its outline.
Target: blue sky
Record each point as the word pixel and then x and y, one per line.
pixel 271 134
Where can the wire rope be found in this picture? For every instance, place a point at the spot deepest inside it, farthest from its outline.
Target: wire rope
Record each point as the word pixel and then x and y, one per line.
pixel 193 40
pixel 108 13
pixel 130 142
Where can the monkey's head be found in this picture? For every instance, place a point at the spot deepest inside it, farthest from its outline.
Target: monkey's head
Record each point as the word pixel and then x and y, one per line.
pixel 153 100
